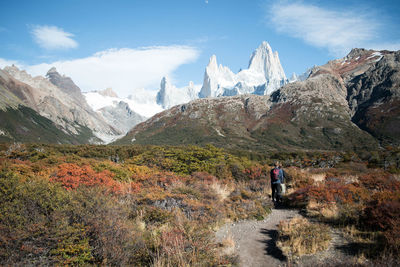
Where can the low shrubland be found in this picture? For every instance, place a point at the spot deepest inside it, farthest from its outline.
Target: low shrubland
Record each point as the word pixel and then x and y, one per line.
pixel 159 206
pixel 90 205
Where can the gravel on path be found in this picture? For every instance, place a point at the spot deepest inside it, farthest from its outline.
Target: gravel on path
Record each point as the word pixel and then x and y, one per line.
pixel 255 241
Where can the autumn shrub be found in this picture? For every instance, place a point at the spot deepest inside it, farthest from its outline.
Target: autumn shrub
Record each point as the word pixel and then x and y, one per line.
pixel 379 181
pixel 297 178
pixel 298 237
pixel 31 219
pixel 382 214
pixel 185 243
pixel 41 223
pixel 114 239
pixel 72 176
pixel 120 173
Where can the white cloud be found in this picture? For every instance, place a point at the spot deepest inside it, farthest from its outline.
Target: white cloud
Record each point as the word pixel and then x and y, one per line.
pixel 5 62
pixel 339 31
pixel 122 69
pixel 52 37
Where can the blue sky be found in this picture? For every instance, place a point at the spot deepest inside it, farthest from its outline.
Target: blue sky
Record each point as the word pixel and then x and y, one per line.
pixel 132 44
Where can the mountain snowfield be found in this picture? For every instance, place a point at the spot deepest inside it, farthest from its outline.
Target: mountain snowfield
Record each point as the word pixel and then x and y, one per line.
pixel 143 102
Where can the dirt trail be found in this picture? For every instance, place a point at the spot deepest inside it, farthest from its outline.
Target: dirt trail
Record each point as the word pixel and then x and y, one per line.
pixel 255 240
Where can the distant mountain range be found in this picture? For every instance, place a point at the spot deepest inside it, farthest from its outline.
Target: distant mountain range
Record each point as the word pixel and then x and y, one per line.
pixel 348 103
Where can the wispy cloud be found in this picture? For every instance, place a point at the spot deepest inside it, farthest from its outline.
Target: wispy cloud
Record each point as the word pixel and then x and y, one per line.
pixel 53 38
pixel 122 69
pixel 338 31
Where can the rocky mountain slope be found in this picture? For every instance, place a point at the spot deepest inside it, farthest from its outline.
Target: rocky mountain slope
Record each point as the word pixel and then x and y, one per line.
pixel 116 111
pixel 59 100
pixel 120 116
pixel 348 103
pixel 18 122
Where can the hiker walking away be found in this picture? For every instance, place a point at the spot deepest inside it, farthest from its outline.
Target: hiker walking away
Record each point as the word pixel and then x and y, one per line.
pixel 276 178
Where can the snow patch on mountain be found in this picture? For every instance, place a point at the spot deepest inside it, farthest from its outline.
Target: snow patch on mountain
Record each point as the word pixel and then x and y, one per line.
pixel 143 102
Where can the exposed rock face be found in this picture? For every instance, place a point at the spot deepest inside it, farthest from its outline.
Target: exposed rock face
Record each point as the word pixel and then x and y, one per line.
pixel 12 93
pixel 371 79
pixel 65 106
pixel 329 110
pixel 65 84
pixel 374 98
pixel 121 116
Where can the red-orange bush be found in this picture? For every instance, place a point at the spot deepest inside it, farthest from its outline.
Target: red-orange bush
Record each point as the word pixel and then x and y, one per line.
pixel 329 192
pixel 254 172
pixel 71 176
pixel 379 182
pixel 383 212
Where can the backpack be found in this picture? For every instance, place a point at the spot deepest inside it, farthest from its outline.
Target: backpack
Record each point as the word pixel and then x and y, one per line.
pixel 275 174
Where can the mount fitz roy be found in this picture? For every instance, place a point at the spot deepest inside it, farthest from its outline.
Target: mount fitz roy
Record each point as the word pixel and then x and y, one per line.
pixel 263 76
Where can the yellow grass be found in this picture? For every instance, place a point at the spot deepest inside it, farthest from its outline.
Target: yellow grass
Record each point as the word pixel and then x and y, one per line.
pixel 299 236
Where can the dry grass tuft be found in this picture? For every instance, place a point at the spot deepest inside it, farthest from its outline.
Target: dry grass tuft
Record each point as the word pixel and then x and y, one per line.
pixel 327 211
pixel 319 177
pixel 299 236
pixel 221 190
pixel 228 246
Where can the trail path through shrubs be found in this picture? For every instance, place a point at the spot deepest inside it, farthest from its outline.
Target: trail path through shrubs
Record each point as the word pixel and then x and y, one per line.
pixel 255 241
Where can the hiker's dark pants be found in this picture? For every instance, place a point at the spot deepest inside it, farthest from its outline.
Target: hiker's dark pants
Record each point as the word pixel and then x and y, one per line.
pixel 276 192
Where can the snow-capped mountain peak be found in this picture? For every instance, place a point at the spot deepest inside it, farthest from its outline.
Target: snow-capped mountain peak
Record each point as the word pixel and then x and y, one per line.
pixel 260 57
pixel 264 75
pixel 265 61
